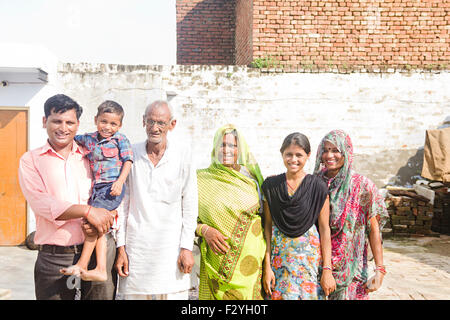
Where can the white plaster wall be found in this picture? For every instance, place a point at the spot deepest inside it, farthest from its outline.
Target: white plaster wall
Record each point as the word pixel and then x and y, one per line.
pixel 30 96
pixel 386 115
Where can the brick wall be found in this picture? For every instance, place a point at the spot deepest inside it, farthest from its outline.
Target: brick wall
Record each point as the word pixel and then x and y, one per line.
pixel 356 35
pixel 205 32
pixel 408 216
pixel 353 33
pixel 243 37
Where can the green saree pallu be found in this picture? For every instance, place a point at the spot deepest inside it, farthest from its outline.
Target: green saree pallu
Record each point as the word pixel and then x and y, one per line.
pixel 229 202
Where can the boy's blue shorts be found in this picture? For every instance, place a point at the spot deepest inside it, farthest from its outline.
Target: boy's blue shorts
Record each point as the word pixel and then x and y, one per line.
pixel 101 196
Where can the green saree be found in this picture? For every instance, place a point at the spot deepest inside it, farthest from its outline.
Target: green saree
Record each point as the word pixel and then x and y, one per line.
pixel 229 202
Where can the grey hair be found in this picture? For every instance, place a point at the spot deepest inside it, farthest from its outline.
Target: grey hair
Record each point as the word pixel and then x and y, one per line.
pixel 160 103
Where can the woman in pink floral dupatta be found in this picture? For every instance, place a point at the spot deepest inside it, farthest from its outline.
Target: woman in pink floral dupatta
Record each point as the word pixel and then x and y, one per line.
pixel 357 214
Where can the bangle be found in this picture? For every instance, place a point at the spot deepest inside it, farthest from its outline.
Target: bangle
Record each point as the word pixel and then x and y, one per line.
pixel 327 268
pixel 382 269
pixel 204 233
pixel 87 213
pixel 199 229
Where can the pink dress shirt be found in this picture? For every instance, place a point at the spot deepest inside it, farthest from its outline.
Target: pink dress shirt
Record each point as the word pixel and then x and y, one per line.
pixel 51 184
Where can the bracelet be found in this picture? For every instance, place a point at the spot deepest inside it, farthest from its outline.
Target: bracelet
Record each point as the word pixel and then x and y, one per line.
pixel 198 230
pixel 327 268
pixel 382 269
pixel 89 210
pixel 204 233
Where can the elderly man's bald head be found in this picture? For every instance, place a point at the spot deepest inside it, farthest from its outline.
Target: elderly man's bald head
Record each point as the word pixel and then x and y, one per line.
pixel 158 120
pixel 159 104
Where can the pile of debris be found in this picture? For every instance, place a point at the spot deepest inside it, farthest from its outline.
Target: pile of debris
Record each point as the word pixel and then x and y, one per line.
pixel 418 211
pixel 424 209
pixel 436 167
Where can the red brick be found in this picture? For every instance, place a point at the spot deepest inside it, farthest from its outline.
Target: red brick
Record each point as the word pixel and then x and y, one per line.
pixel 283 26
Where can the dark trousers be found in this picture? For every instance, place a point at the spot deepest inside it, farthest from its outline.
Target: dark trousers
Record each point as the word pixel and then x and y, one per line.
pixel 50 284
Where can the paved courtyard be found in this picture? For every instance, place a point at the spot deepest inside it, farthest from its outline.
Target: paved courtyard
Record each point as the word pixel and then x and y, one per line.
pixel 418 269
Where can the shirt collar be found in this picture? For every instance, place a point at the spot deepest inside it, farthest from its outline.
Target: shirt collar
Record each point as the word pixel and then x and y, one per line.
pixel 47 147
pixel 164 158
pixel 94 135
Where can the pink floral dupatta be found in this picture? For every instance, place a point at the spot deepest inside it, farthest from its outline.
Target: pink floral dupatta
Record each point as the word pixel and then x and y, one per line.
pixel 354 200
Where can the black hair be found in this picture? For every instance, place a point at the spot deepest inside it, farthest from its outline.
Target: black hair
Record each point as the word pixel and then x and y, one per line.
pixel 61 103
pixel 298 139
pixel 110 106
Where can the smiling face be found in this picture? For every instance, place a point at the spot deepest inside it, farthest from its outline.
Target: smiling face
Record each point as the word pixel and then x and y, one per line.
pixel 332 158
pixel 108 123
pixel 61 129
pixel 157 122
pixel 294 158
pixel 228 150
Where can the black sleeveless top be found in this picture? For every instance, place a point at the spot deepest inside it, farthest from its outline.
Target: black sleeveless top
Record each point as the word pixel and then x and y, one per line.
pixel 296 214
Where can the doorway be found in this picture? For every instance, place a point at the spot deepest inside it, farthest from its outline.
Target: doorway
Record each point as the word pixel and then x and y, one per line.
pixel 13 208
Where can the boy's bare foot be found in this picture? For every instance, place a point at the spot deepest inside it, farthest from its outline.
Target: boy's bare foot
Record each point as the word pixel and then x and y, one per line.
pixel 93 275
pixel 71 271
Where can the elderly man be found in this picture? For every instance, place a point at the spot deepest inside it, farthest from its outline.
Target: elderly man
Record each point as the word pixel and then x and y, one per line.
pixel 159 214
pixel 56 181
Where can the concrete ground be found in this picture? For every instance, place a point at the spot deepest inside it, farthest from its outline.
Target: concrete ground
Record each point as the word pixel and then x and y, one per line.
pixel 17 272
pixel 418 269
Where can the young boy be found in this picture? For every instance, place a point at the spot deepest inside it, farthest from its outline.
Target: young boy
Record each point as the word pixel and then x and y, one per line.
pixel 110 157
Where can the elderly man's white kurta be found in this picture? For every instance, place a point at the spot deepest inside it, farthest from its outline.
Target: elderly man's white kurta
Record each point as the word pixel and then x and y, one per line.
pixel 158 218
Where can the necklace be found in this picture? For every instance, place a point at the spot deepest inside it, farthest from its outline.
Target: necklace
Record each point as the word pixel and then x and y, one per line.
pixel 290 186
pixel 299 182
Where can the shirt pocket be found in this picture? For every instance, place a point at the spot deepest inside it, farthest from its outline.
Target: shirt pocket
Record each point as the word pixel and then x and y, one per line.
pixel 110 152
pixel 171 190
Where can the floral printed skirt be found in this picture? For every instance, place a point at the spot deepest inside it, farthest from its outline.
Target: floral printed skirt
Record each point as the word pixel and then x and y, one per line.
pixel 295 262
pixel 354 291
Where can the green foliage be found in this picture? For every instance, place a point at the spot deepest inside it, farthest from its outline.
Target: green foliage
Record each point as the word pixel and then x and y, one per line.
pixel 265 62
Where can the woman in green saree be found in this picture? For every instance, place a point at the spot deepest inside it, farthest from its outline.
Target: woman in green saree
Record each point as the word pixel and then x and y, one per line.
pixel 232 244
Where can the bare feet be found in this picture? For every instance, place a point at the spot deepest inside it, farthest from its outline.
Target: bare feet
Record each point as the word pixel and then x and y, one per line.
pixel 93 275
pixel 86 275
pixel 71 271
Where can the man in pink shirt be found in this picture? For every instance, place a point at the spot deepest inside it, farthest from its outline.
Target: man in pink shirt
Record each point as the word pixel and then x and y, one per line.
pixel 56 181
